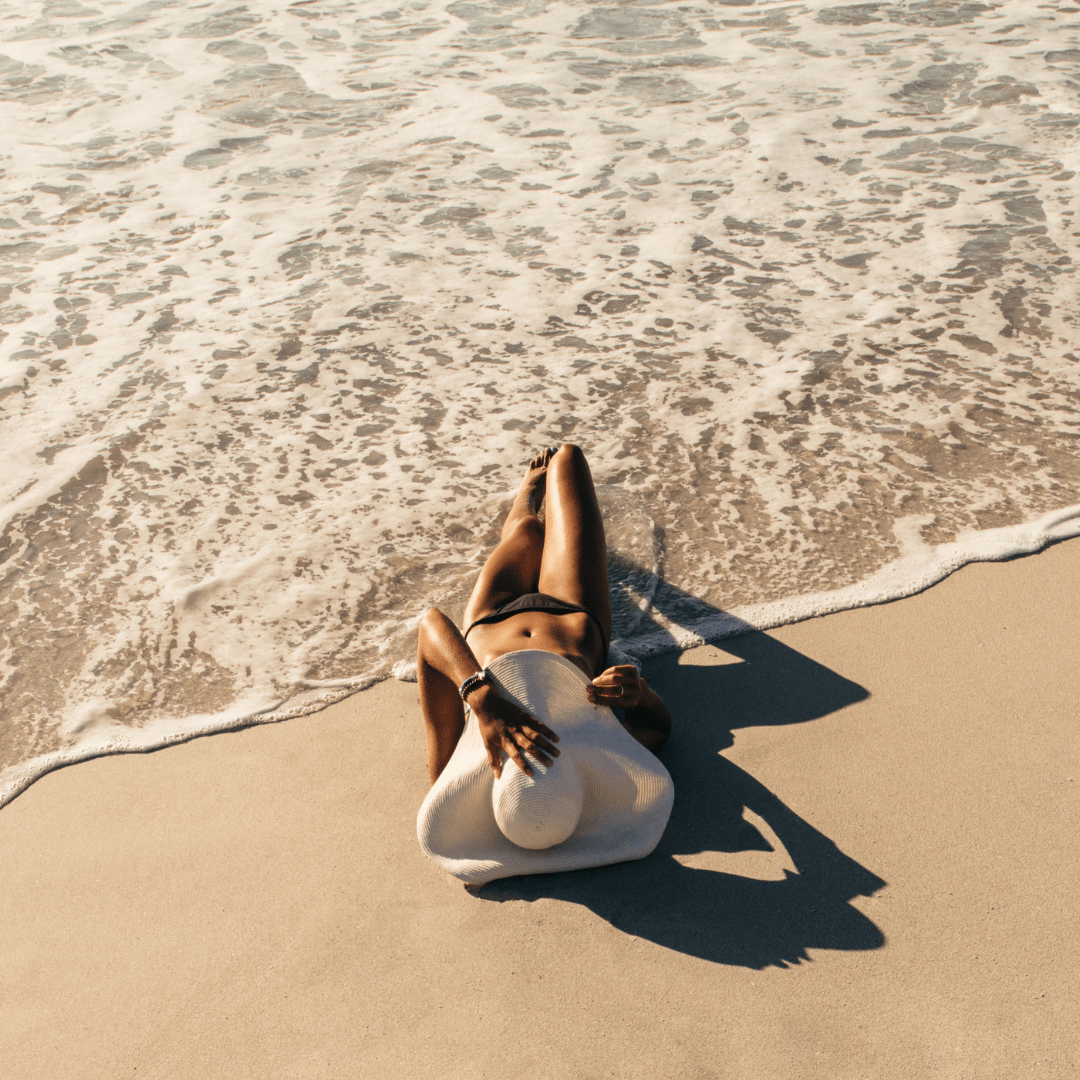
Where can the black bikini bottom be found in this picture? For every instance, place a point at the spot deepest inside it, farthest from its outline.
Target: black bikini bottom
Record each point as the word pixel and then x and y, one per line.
pixel 539 601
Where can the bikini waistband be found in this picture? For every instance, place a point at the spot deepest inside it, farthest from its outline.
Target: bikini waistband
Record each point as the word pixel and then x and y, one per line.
pixel 539 602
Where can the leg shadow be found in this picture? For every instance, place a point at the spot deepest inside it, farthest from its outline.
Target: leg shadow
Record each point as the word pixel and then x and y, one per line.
pixel 754 920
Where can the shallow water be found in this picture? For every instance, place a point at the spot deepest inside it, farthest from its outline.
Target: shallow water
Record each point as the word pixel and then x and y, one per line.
pixel 291 294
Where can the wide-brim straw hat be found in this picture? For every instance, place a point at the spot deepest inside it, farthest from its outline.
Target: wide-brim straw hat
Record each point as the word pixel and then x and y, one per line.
pixel 605 789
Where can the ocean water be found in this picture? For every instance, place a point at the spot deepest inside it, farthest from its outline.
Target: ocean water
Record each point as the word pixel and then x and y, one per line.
pixel 290 294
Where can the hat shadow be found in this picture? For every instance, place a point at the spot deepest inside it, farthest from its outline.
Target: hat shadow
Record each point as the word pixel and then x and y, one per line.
pixel 677 897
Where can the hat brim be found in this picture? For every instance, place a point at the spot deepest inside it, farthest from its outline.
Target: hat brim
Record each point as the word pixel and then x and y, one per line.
pixel 627 791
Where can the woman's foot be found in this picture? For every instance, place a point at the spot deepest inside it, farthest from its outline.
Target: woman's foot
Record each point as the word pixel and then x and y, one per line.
pixel 530 495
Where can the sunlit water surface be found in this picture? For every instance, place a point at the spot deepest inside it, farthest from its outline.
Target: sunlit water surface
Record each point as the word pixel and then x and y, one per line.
pixel 291 293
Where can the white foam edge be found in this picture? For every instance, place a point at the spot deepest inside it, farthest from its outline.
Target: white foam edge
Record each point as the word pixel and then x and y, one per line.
pixel 116 739
pixel 906 576
pixel 910 574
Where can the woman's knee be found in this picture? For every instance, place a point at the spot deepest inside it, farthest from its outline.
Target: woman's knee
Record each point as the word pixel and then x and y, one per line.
pixel 569 452
pixel 527 531
pixel 569 460
pixel 431 622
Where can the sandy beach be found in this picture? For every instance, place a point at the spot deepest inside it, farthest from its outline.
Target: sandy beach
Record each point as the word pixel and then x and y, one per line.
pixel 254 904
pixel 290 295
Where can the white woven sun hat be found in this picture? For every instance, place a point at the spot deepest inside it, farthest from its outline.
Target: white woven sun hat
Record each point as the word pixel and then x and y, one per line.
pixel 605 799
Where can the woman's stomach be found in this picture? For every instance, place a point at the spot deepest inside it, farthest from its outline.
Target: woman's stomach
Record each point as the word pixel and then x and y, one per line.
pixel 571 634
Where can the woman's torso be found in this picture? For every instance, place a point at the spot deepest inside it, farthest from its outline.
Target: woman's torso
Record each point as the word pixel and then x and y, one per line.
pixel 572 634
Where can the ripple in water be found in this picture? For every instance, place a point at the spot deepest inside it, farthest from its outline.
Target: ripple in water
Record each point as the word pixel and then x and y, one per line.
pixel 290 297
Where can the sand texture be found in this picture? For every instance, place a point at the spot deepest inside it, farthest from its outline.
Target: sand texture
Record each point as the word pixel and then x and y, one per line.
pixel 254 904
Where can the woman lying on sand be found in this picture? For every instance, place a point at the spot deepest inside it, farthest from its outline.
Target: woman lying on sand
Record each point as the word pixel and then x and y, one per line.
pixel 531 669
pixel 544 587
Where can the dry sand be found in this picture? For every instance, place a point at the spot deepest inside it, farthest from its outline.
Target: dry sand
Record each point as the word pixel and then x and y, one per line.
pixel 255 905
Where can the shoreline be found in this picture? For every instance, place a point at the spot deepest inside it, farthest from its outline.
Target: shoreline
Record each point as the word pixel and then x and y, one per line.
pixel 257 903
pixel 919 570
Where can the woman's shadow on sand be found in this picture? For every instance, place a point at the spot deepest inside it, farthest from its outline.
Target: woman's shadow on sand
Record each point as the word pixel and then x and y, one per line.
pixel 716 915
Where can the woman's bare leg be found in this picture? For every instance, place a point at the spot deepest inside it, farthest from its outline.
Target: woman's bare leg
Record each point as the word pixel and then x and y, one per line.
pixel 513 568
pixel 574 562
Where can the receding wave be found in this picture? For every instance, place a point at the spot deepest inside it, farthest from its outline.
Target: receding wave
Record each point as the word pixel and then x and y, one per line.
pixel 289 298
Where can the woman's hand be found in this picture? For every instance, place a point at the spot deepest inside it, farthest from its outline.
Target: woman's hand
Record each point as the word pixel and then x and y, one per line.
pixel 506 728
pixel 619 687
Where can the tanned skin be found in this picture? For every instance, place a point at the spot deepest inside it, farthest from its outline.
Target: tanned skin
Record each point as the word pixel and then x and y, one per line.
pixel 565 556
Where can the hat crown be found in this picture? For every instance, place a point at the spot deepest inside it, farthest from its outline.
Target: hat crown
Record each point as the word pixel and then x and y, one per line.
pixel 541 810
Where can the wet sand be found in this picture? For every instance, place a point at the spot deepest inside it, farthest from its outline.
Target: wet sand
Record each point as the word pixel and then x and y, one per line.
pixel 255 904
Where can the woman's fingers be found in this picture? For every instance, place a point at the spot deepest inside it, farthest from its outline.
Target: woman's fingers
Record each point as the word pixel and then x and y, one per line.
pixel 540 743
pixel 541 750
pixel 536 738
pixel 622 675
pixel 614 701
pixel 513 731
pixel 618 686
pixel 621 686
pixel 611 682
pixel 495 752
pixel 543 729
pixel 619 671
pixel 516 744
pixel 516 747
pixel 518 757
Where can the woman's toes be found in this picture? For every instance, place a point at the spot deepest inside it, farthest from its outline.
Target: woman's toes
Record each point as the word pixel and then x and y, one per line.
pixel 543 458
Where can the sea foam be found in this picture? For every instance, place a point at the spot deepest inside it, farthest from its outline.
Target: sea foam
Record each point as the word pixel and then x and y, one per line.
pixel 290 297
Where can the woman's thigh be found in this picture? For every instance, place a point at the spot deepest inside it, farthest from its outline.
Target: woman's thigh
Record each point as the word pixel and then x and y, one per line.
pixel 512 569
pixel 574 563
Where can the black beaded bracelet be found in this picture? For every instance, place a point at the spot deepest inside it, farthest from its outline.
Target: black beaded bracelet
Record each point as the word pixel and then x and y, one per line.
pixel 472 682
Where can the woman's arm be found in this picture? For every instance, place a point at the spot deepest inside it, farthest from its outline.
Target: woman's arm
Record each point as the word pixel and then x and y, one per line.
pixel 647 717
pixel 649 721
pixel 443 662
